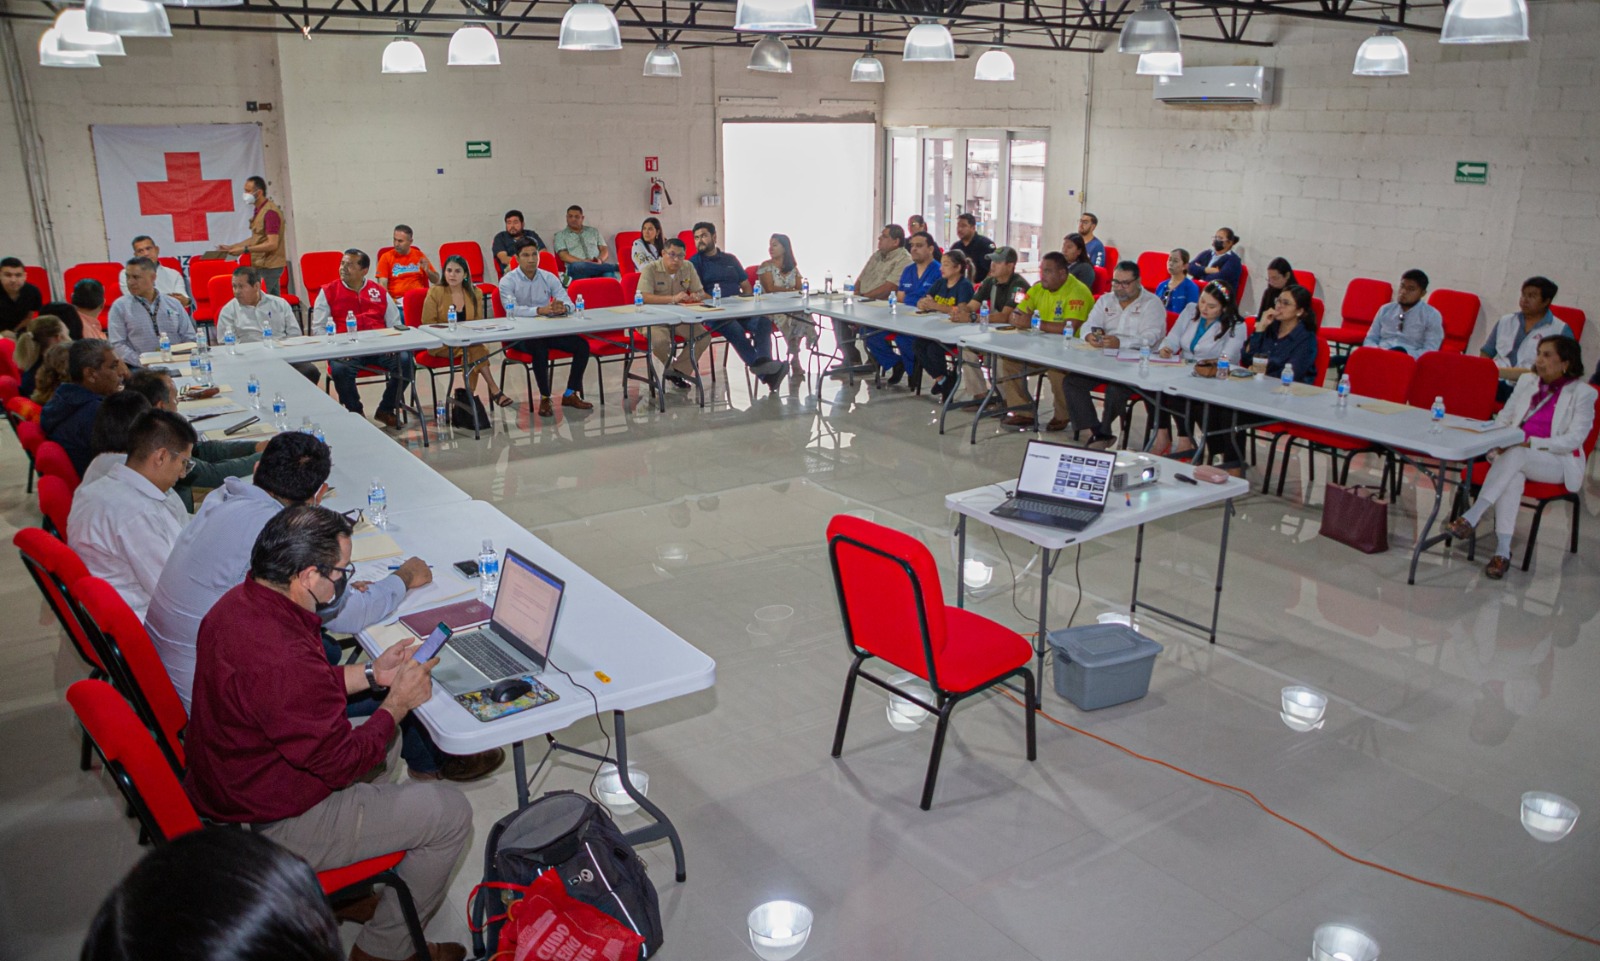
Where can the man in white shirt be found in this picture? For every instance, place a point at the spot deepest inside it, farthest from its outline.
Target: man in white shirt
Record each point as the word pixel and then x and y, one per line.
pixel 120 524
pixel 528 291
pixel 138 320
pixel 168 281
pixel 1129 317
pixel 1513 343
pixel 253 310
pixel 113 432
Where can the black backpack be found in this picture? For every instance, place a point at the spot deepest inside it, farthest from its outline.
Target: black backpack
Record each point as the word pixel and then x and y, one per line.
pixel 572 835
pixel 463 407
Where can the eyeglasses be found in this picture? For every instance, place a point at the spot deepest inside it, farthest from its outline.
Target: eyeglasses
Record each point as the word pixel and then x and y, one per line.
pixel 1123 283
pixel 355 517
pixel 347 571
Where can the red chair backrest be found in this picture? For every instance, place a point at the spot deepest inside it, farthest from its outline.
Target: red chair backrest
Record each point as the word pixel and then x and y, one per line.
pixel 55 501
pixel 1460 312
pixel 1152 269
pixel 133 663
pixel 318 269
pixel 30 435
pixel 467 250
pixel 56 568
pixel 201 275
pixel 411 306
pixel 1384 374
pixel 134 759
pixel 1574 318
pixel 687 236
pixel 1363 298
pixel 8 359
pixel 1318 308
pixel 630 286
pixel 219 293
pixel 491 300
pixel 1102 281
pixel 624 249
pixel 1172 320
pixel 40 278
pixel 25 409
pixel 1113 257
pixel 598 291
pixel 10 387
pixel 750 274
pixel 1465 381
pixel 1324 353
pixel 109 273
pixel 889 594
pixel 550 262
pixel 51 460
pixel 1308 280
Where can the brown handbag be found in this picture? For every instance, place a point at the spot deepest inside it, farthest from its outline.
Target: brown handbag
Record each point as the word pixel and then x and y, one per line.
pixel 1356 516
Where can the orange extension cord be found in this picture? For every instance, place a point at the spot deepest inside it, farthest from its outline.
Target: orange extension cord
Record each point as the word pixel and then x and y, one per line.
pixel 1301 827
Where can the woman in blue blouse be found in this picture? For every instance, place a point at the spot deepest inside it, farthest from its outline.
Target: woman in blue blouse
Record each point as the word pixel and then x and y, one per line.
pixel 1220 262
pixel 951 290
pixel 1203 333
pixel 1178 291
pixel 1288 337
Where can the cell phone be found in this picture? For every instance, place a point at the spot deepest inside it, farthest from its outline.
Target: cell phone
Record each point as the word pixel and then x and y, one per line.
pixel 468 569
pixel 236 428
pixel 432 645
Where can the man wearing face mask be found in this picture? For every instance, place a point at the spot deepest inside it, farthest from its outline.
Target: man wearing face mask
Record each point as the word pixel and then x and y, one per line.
pixel 212 555
pixel 268 253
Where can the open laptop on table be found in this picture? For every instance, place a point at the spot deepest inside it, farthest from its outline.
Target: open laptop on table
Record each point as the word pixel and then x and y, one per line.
pixel 1060 486
pixel 516 641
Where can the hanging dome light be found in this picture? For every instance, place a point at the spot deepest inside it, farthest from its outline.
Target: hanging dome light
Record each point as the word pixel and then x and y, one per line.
pixel 403 56
pixel 775 16
pixel 1151 30
pixel 127 18
pixel 866 69
pixel 74 36
pixel 770 56
pixel 1485 21
pixel 473 46
pixel 51 54
pixel 1382 56
pixel 995 65
pixel 1160 65
pixel 662 62
pixel 590 26
pixel 929 43
pixel 201 3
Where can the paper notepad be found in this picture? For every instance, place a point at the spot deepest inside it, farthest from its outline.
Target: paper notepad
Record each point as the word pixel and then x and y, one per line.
pixel 1475 426
pixel 1384 407
pixel 370 547
pixel 1307 390
pixel 388 635
pixel 258 429
pixel 301 340
pixel 703 308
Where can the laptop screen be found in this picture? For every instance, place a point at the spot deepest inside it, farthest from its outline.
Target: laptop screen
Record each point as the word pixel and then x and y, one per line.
pixel 1066 473
pixel 525 606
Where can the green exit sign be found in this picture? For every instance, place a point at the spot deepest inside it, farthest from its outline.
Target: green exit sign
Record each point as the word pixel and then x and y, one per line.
pixel 478 150
pixel 1467 172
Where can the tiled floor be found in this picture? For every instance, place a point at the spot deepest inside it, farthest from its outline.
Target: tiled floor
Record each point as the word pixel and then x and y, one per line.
pixel 1448 699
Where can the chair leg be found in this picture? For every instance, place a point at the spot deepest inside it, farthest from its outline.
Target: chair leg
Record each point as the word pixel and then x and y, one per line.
pixel 938 750
pixel 85 756
pixel 1573 549
pixel 1283 468
pixel 844 705
pixel 1032 697
pixel 1272 458
pixel 408 910
pixel 1533 535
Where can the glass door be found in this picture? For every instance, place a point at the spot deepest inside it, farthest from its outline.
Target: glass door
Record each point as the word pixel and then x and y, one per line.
pixel 1001 183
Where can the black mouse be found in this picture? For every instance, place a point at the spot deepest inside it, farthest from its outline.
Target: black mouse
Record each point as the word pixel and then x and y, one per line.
pixel 509 690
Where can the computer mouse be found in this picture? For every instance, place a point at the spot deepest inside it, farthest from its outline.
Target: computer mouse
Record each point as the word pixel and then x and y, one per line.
pixel 509 690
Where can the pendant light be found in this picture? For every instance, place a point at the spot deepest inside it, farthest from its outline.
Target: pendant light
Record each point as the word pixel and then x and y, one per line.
pixel 473 46
pixel 775 16
pixel 74 36
pixel 403 56
pixel 929 43
pixel 1383 55
pixel 1151 30
pixel 1160 65
pixel 867 68
pixel 127 18
pixel 662 62
pixel 1485 21
pixel 201 3
pixel 51 54
pixel 590 26
pixel 770 56
pixel 995 65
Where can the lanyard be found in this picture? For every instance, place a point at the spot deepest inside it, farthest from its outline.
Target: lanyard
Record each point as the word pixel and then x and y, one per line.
pixel 152 310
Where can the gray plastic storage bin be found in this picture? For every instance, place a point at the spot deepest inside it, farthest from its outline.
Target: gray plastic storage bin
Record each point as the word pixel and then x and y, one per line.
pixel 1099 665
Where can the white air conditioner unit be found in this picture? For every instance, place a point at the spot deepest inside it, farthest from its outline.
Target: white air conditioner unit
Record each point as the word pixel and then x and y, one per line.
pixel 1217 85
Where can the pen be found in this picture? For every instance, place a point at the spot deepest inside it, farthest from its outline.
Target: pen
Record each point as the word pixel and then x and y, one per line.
pixel 396 565
pixel 1187 479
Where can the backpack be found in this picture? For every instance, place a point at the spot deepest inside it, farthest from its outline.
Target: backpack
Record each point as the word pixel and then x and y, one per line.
pixel 572 835
pixel 462 408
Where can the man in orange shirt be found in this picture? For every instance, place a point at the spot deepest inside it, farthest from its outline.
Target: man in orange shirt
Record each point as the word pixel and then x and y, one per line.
pixel 405 267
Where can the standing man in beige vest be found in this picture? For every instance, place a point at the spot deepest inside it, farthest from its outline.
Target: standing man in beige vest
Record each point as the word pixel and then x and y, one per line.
pixel 268 253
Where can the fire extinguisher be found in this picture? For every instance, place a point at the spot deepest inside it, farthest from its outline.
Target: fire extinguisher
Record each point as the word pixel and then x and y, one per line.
pixel 658 191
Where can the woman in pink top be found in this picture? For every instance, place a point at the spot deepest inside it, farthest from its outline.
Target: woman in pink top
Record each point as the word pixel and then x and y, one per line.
pixel 1555 410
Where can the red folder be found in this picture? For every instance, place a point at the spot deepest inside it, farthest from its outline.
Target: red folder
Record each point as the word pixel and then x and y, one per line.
pixel 454 616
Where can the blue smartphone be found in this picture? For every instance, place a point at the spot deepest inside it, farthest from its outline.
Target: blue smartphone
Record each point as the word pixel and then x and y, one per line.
pixel 431 647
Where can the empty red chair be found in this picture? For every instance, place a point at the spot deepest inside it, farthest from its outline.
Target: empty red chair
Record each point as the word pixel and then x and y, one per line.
pixel 1465 381
pixel 1375 373
pixel 624 250
pixel 1306 279
pixel 1574 318
pixel 1363 298
pixel 894 612
pixel 108 273
pixel 40 278
pixel 467 250
pixel 133 664
pixel 1459 310
pixel 550 262
pixel 1152 269
pixel 201 273
pixel 630 286
pixel 55 502
pixel 318 269
pixel 51 460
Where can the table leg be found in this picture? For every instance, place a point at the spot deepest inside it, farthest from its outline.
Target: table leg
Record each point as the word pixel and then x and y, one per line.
pixel 961 560
pixel 519 766
pixel 955 384
pixel 1424 541
pixel 1047 566
pixel 416 398
pixel 1216 601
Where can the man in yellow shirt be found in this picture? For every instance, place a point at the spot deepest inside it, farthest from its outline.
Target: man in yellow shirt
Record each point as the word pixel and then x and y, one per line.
pixel 1058 297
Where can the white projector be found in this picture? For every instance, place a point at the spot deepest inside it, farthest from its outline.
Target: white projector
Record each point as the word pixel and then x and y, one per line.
pixel 1134 470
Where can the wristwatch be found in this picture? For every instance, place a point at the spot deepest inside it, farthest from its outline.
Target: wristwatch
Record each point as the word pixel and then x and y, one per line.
pixel 372 679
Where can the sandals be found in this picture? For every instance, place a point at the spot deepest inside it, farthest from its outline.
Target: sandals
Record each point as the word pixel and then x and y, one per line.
pixel 501 400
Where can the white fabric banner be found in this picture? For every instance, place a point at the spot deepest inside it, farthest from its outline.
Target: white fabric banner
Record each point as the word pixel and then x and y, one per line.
pixel 183 185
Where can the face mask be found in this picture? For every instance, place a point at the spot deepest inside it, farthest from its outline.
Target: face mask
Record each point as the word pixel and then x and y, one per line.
pixel 249 197
pixel 1217 245
pixel 338 595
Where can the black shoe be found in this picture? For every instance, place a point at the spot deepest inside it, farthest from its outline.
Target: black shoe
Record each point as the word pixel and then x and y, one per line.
pixel 895 375
pixel 677 380
pixel 775 378
pixel 941 387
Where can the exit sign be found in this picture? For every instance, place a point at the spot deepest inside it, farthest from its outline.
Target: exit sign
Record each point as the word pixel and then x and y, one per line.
pixel 1471 172
pixel 652 164
pixel 478 149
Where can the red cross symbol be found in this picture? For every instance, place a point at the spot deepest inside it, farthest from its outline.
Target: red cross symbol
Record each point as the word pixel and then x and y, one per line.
pixel 185 197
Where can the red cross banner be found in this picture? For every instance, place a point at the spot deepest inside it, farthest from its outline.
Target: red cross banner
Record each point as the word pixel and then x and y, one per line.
pixel 181 185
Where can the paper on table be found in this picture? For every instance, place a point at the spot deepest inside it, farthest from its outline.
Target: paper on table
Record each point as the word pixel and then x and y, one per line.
pixel 1307 390
pixel 373 546
pixel 623 309
pixel 388 635
pixel 203 410
pixel 1475 426
pixel 703 308
pixel 300 339
pixel 1384 406
pixel 483 325
pixel 428 595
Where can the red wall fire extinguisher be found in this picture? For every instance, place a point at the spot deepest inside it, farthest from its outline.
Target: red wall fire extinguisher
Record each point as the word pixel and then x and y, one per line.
pixel 658 192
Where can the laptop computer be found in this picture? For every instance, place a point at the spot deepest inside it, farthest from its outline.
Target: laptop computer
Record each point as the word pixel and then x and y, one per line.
pixel 516 641
pixel 1060 486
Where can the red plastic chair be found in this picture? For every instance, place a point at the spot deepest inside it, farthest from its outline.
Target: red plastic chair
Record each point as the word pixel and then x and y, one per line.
pixel 687 236
pixel 8 360
pixel 1102 281
pixel 630 286
pixel 1363 298
pixel 1152 269
pixel 1318 308
pixel 1306 279
pixel 1374 373
pixel 55 567
pixel 1172 320
pixel 51 460
pixel 894 611
pixel 157 797
pixel 1574 318
pixel 467 250
pixel 750 274
pixel 109 273
pixel 550 262
pixel 219 294
pixel 134 666
pixel 609 345
pixel 202 273
pixel 411 313
pixel 624 250
pixel 1113 257
pixel 10 387
pixel 40 278
pixel 31 436
pixel 1466 382
pixel 1459 310
pixel 318 269
pixel 55 502
pixel 23 409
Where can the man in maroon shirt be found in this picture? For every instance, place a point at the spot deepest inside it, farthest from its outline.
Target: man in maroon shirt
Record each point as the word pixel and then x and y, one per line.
pixel 270 746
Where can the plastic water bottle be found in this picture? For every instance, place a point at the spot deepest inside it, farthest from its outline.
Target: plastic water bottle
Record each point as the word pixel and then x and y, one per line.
pixel 894 302
pixel 378 505
pixel 1343 399
pixel 756 290
pixel 1035 322
pixel 488 570
pixel 205 369
pixel 1144 359
pixel 230 342
pixel 166 346
pixel 849 290
pixel 194 365
pixel 983 319
pixel 266 330
pixel 716 296
pixel 254 390
pixel 638 300
pixel 1438 416
pixel 305 424
pixel 805 291
pixel 440 416
pixel 450 320
pixel 280 413
pixel 827 283
pixel 1224 368
pixel 329 330
pixel 1067 330
pixel 579 304
pixel 316 431
pixel 350 325
pixel 1286 380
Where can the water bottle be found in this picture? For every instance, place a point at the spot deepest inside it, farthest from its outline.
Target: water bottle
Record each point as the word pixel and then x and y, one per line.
pixel 716 295
pixel 849 290
pixel 305 424
pixel 194 365
pixel 202 341
pixel 488 571
pixel 254 390
pixel 827 283
pixel 205 369
pixel 1438 416
pixel 378 505
pixel 280 413
pixel 983 319
pixel 638 300
pixel 805 291
pixel 329 329
pixel 1144 359
pixel 579 304
pixel 266 330
pixel 1067 330
pixel 230 342
pixel 166 346
pixel 450 320
pixel 1224 368
pixel 440 416
pixel 350 325
pixel 1343 399
pixel 316 431
pixel 894 302
pixel 1035 322
pixel 1286 379
pixel 756 290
